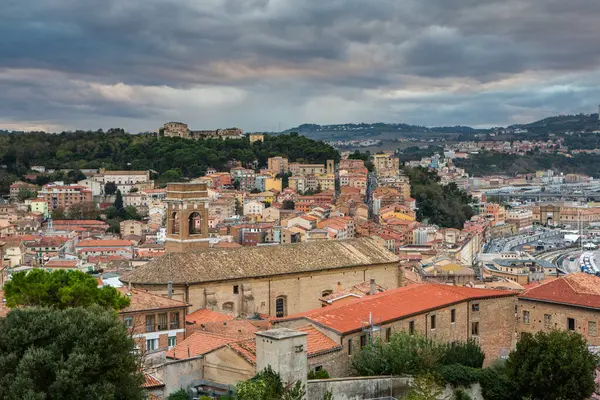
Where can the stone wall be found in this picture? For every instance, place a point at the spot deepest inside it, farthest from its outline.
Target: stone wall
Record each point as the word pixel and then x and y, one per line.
pixel 373 387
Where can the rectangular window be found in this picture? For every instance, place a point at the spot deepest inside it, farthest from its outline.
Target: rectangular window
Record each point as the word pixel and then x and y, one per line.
pixel 475 307
pixel 363 341
pixel 236 289
pixel 452 316
pixel 150 323
pixel 432 318
pixel 475 328
pixel 388 334
pixel 174 320
pixel 151 344
pixel 525 317
pixel 172 341
pixel 128 321
pixel 411 327
pixel 592 328
pixel 162 322
pixel 349 347
pixel 547 320
pixel 571 324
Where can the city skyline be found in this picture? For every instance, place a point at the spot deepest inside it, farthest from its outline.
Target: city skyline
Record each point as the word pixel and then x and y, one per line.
pixel 263 65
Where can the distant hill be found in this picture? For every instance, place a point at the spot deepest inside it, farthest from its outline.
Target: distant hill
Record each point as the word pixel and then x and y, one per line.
pixel 563 123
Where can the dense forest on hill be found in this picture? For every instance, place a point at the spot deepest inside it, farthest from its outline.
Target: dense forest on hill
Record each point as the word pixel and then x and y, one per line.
pixel 492 163
pixel 443 205
pixel 172 158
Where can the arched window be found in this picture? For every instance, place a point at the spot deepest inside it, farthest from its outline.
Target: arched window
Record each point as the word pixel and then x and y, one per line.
pixel 227 307
pixel 280 307
pixel 195 223
pixel 174 223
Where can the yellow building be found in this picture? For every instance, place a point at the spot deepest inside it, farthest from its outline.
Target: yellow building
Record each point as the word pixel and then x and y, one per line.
pixel 397 211
pixel 273 184
pixel 326 181
pixel 256 137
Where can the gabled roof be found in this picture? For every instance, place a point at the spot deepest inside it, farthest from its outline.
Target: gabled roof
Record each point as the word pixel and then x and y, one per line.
pixel 142 300
pixel 209 265
pixel 204 315
pixel 393 305
pixel 103 243
pixel 580 290
pixel 199 343
pixel 150 382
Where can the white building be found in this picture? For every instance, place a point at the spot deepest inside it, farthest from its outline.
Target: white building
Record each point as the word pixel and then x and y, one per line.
pixel 253 208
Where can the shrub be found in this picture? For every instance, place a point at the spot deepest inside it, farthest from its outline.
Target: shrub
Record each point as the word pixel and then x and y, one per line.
pixel 403 354
pixel 467 353
pixel 495 385
pixel 459 375
pixel 181 394
pixel 322 374
pixel 460 394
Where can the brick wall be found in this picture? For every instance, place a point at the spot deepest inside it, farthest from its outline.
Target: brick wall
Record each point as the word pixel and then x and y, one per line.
pixel 584 319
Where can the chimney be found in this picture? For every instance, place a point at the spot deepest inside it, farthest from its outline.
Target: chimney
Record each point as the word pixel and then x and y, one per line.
pixel 170 289
pixel 373 288
pixel 129 286
pixel 339 287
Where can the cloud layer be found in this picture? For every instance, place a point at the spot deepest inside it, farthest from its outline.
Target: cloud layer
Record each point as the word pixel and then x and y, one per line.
pixel 262 64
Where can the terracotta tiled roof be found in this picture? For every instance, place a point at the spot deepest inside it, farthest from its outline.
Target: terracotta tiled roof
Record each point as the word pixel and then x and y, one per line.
pixel 246 349
pixel 358 290
pixel 206 265
pixel 203 315
pixel 579 289
pixel 199 343
pixel 393 304
pixel 61 264
pixel 237 328
pixel 78 222
pixel 103 243
pixel 142 300
pixel 151 382
pixel 317 342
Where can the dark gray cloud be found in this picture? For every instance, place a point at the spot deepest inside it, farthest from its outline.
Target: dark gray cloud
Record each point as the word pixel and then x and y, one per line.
pixel 261 63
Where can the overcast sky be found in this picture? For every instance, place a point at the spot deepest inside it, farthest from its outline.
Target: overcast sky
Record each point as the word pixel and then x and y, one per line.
pixel 265 64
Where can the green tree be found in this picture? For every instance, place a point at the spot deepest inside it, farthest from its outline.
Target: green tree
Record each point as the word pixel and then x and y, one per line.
pixel 59 213
pixel 25 194
pixel 402 354
pixel 553 366
pixel 288 205
pixel 83 210
pixel 130 212
pixel 236 184
pixel 118 204
pixel 466 353
pixel 110 188
pixel 60 289
pixel 68 354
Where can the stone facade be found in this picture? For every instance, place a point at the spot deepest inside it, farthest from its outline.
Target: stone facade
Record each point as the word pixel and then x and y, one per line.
pixel 535 316
pixel 187 216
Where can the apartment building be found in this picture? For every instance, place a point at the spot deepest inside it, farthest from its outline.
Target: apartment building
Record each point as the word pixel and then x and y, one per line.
pixel 63 196
pixel 278 165
pixel 91 247
pixel 521 217
pixel 156 323
pixel 386 164
pixel 495 214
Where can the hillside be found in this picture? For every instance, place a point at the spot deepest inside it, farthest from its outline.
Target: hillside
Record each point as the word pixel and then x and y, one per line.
pixel 171 158
pixel 563 123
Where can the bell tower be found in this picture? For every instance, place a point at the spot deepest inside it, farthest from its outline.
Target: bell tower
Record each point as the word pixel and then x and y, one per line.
pixel 187 217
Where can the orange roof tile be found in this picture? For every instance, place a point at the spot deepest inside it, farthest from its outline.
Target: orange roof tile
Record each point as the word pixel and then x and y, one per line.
pixel 393 304
pixel 103 243
pixel 142 300
pixel 199 343
pixel 151 382
pixel 246 349
pixel 237 328
pixel 579 289
pixel 204 315
pixel 317 342
pixel 61 264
